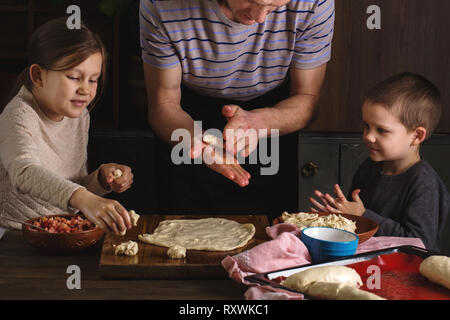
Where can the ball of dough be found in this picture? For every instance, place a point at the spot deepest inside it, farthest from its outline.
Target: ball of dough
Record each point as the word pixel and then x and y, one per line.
pixel 436 269
pixel 301 281
pixel 129 248
pixel 176 252
pixel 117 173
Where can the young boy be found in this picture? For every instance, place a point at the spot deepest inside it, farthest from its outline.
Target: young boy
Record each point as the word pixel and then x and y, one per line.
pixel 395 187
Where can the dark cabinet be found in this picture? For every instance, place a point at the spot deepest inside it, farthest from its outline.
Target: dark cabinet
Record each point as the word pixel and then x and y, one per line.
pixel 327 159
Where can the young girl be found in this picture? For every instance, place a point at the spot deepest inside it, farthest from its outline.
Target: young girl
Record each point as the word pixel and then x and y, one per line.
pixel 44 133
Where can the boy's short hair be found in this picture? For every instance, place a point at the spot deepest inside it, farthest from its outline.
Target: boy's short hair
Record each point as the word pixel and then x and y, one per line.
pixel 413 99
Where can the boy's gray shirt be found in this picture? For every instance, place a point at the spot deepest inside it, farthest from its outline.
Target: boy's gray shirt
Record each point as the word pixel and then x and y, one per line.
pixel 413 204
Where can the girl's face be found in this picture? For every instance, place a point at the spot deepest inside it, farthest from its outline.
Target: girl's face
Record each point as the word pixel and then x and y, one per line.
pixel 67 93
pixel 386 138
pixel 249 12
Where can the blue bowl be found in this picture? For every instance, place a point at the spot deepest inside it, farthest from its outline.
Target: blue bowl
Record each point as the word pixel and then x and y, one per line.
pixel 327 244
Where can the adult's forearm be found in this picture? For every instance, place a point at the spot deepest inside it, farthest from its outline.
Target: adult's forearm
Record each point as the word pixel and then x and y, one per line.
pixel 291 114
pixel 164 120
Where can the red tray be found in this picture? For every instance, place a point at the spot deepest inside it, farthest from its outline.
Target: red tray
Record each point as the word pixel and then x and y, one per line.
pixel 399 274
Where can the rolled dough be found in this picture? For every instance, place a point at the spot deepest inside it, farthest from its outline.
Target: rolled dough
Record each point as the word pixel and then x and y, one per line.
pixel 339 291
pixel 211 234
pixel 436 269
pixel 302 280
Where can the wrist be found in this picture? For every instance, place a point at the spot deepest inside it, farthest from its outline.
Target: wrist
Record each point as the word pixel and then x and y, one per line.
pixel 263 116
pixel 78 197
pixel 101 178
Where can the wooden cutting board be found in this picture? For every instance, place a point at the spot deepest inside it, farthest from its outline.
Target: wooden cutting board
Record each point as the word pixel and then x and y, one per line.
pixel 152 261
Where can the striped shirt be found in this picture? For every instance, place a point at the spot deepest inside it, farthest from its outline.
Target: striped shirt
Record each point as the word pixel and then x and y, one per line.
pixel 225 59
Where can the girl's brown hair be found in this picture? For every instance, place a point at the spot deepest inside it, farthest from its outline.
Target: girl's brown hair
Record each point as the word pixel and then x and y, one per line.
pixel 53 46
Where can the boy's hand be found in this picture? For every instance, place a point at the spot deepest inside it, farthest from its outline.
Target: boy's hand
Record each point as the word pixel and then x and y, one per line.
pixel 340 204
pixel 318 206
pixel 108 179
pixel 107 214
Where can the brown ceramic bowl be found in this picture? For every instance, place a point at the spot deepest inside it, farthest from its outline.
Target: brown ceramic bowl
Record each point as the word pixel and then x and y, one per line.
pixel 365 228
pixel 61 243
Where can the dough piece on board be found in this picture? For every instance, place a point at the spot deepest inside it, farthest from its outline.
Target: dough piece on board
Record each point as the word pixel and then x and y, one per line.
pixel 339 291
pixel 301 281
pixel 129 248
pixel 176 252
pixel 134 220
pixel 436 269
pixel 134 217
pixel 211 234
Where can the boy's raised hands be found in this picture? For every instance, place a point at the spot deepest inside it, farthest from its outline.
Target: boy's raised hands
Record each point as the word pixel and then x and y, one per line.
pixel 340 204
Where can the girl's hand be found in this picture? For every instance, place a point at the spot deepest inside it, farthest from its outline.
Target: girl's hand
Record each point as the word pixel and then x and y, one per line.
pixel 340 204
pixel 107 214
pixel 108 180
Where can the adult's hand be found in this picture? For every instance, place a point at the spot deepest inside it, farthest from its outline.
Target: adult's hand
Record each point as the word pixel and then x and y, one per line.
pixel 244 129
pixel 225 164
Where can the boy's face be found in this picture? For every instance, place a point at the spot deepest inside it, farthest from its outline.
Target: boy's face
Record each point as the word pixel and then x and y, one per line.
pixel 386 138
pixel 67 93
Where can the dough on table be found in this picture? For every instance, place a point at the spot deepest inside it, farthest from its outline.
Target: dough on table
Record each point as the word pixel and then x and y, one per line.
pixel 436 269
pixel 339 291
pixel 129 248
pixel 176 252
pixel 117 173
pixel 211 234
pixel 301 281
pixel 134 217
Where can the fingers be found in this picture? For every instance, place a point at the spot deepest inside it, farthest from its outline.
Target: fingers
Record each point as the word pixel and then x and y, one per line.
pixel 124 182
pixel 111 225
pixel 355 195
pixel 125 216
pixel 338 192
pixel 332 210
pixel 229 110
pixel 317 205
pixel 233 172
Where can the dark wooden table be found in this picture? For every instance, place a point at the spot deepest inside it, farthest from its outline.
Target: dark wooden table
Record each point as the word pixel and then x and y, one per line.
pixel 27 274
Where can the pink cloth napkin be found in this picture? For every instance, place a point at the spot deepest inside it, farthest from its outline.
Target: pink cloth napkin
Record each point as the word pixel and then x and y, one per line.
pixel 287 250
